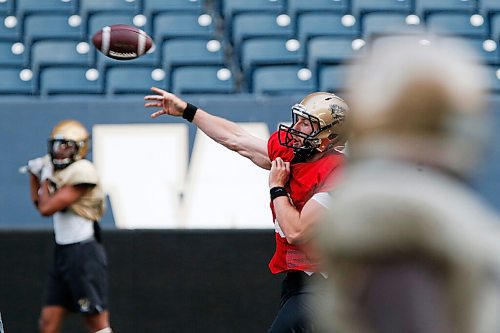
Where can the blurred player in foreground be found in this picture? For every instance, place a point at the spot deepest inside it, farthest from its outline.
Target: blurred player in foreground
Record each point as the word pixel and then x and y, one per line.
pixel 66 186
pixel 409 246
pixel 303 160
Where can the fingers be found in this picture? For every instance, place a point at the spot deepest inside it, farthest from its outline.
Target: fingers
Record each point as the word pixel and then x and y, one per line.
pixel 158 91
pixel 153 97
pixel 157 113
pixel 153 104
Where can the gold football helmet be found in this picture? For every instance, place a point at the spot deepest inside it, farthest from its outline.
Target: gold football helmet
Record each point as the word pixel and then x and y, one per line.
pixel 68 142
pixel 326 112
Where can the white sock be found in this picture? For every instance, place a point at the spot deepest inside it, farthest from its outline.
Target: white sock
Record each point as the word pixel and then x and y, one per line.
pixel 105 330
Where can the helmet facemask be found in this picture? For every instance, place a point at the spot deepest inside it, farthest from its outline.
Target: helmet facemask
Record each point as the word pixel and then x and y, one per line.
pixel 326 117
pixel 68 143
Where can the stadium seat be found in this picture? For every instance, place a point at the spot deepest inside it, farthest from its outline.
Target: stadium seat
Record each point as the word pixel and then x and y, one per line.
pixel 153 7
pixel 454 24
pixel 495 27
pixel 28 7
pixel 11 82
pixel 424 7
pixel 50 26
pixel 7 7
pixel 8 57
pixel 333 78
pixel 361 7
pixel 9 28
pixel 281 80
pixel 69 80
pixel 251 25
pixel 323 24
pixel 202 80
pixel 379 24
pixel 489 6
pixel 330 50
pixel 483 54
pixel 132 80
pixel 201 52
pixel 234 7
pixel 494 76
pixel 88 7
pixel 175 25
pixel 298 7
pixel 268 51
pixel 54 53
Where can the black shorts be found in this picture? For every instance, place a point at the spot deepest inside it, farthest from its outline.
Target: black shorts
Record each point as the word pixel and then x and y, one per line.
pixel 78 278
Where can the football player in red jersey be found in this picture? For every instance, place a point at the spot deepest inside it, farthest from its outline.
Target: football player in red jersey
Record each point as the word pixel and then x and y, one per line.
pixel 304 160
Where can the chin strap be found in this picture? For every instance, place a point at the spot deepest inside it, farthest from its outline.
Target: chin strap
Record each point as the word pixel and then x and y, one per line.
pixel 302 154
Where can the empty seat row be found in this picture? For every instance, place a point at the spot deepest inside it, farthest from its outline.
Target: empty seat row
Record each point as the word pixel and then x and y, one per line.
pixel 268 80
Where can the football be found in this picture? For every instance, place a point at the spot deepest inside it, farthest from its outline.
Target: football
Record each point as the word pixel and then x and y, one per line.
pixel 122 42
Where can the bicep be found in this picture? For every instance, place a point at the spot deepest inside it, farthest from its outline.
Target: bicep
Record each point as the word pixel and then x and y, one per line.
pixel 313 212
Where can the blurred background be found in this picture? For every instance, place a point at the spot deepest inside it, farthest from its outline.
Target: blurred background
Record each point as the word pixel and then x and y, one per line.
pixel 188 226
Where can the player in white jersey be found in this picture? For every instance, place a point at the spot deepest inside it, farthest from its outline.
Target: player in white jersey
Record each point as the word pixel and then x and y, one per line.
pixel 409 246
pixel 66 186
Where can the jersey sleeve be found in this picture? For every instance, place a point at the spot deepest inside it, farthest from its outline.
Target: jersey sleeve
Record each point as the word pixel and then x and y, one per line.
pixel 80 172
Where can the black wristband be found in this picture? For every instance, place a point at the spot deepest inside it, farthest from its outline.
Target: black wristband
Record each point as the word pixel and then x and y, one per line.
pixel 278 191
pixel 189 112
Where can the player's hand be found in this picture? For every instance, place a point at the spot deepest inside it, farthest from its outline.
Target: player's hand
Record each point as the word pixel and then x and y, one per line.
pixel 169 103
pixel 46 172
pixel 280 172
pixel 36 165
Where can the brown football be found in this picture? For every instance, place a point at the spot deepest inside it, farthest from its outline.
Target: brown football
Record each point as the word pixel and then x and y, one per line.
pixel 122 41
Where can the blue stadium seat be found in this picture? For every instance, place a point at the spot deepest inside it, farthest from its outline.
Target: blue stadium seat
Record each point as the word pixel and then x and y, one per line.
pixel 50 26
pixel 424 7
pixel 454 24
pixel 11 82
pixel 202 80
pixel 298 7
pixel 379 24
pixel 9 33
pixel 489 6
pixel 360 7
pixel 250 25
pixel 27 7
pixel 485 55
pixel 494 76
pixel 8 57
pixel 88 7
pixel 495 27
pixel 153 7
pixel 323 24
pixel 201 52
pixel 175 25
pixel 68 80
pixel 330 50
pixel 234 7
pixel 57 53
pixel 333 78
pixel 280 80
pixel 7 7
pixel 267 51
pixel 131 80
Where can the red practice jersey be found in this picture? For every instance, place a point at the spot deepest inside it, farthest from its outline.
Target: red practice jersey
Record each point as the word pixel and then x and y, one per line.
pixel 306 179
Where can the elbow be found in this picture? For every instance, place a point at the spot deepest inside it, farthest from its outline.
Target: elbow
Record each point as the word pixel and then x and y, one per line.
pixel 295 238
pixel 45 211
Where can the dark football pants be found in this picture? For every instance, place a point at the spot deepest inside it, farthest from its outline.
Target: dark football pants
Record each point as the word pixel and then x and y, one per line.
pixel 295 314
